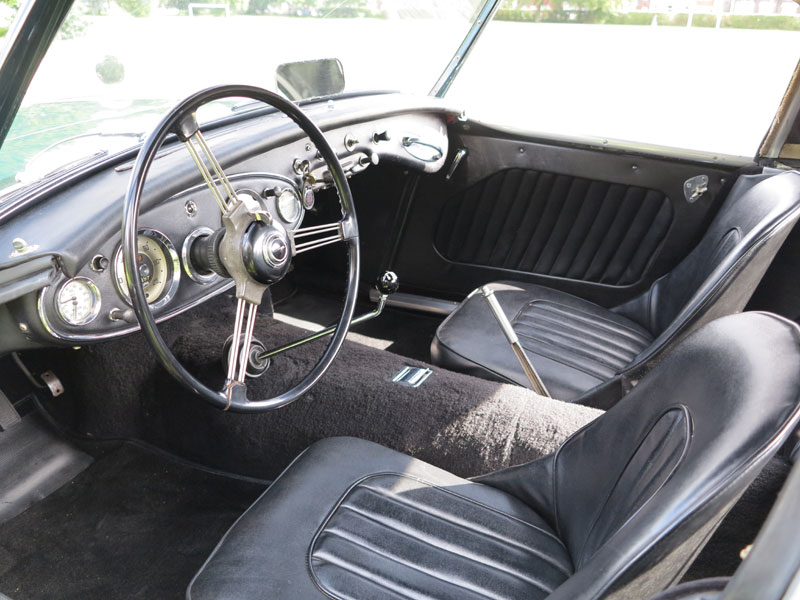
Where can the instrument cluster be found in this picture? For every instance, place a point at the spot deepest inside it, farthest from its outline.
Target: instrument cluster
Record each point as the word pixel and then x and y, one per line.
pixel 95 303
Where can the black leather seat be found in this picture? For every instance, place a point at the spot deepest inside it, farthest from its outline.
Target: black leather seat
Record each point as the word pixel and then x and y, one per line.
pixel 577 345
pixel 619 511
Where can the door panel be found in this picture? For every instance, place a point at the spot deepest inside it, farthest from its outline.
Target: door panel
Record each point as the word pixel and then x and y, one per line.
pixel 599 224
pixel 557 225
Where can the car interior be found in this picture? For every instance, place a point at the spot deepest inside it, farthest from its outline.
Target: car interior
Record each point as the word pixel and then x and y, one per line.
pixel 365 347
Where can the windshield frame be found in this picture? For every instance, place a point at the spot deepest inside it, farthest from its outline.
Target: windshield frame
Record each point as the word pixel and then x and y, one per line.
pixel 38 22
pixel 34 28
pixel 451 71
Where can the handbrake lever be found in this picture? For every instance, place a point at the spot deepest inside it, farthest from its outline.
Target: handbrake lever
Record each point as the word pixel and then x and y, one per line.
pixel 536 382
pixel 386 285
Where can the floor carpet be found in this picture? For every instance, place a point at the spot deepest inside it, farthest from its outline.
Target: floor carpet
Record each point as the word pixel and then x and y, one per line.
pixel 135 524
pixel 403 332
pixel 466 425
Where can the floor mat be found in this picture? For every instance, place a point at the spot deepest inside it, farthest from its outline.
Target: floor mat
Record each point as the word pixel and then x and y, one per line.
pixel 34 462
pixel 133 525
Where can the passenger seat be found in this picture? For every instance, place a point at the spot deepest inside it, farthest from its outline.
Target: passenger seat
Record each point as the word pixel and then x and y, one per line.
pixel 577 346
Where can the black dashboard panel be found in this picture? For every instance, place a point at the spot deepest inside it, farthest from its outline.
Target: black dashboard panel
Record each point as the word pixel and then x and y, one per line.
pixel 177 219
pixel 74 221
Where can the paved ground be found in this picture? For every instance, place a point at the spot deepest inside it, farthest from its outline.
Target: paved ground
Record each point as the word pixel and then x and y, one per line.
pixel 702 88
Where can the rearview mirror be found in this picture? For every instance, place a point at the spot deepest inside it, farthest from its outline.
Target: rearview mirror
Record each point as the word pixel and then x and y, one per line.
pixel 310 78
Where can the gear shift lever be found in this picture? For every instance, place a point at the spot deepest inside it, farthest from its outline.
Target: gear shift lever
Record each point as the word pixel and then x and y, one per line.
pixel 387 283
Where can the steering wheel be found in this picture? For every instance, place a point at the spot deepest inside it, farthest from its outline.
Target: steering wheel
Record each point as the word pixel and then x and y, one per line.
pixel 252 248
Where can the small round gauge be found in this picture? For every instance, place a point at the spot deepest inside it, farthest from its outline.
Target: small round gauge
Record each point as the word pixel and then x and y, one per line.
pixel 289 206
pixel 308 198
pixel 78 301
pixel 158 264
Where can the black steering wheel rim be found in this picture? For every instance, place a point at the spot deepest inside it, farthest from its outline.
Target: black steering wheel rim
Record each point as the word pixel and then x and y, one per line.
pixel 130 228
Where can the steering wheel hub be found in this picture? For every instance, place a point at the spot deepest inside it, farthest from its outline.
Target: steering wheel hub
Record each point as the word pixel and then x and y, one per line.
pixel 251 247
pixel 265 252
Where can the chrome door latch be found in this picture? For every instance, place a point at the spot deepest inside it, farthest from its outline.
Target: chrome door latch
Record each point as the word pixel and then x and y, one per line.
pixel 695 187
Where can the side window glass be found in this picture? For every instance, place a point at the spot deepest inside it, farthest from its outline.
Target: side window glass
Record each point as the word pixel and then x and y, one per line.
pixel 686 78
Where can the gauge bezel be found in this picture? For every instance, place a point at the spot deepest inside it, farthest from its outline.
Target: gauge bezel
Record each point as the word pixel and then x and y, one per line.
pixel 171 287
pixel 96 296
pixel 186 259
pixel 298 200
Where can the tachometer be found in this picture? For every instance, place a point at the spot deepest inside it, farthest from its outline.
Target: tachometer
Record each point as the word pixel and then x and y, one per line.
pixel 159 268
pixel 78 301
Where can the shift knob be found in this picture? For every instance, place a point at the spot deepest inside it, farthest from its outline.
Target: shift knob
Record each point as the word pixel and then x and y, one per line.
pixel 388 283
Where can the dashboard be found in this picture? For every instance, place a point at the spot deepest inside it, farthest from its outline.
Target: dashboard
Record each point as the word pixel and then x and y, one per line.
pixel 62 281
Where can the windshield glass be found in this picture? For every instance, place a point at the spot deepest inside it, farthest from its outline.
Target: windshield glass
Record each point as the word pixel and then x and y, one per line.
pixel 117 67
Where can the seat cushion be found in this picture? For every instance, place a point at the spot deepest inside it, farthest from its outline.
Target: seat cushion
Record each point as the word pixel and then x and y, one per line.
pixel 574 344
pixel 351 519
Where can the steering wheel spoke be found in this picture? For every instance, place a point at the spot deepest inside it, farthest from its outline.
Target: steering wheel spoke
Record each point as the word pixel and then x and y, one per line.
pixel 316 236
pixel 239 352
pixel 208 165
pixel 253 249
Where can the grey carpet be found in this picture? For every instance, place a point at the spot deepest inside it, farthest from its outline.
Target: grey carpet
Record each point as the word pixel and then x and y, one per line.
pixel 464 424
pixel 403 332
pixel 133 525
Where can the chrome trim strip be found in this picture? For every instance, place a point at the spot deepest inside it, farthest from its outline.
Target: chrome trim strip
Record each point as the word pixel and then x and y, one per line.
pixel 450 72
pixel 187 263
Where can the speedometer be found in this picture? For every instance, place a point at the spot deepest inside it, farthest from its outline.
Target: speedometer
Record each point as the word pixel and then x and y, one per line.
pixel 158 265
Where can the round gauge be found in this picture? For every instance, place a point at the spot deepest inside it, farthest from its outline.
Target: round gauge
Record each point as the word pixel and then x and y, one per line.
pixel 159 268
pixel 289 206
pixel 78 301
pixel 308 198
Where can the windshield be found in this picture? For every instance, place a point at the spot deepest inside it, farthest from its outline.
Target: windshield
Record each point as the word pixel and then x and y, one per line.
pixel 117 67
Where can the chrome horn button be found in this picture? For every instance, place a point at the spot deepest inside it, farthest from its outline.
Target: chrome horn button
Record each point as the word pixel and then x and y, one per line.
pixel 275 249
pixel 266 251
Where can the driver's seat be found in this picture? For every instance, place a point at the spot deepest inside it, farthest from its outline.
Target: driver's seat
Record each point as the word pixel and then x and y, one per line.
pixel 619 511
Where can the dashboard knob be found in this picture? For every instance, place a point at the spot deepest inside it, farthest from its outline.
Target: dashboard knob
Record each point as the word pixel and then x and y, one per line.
pixel 388 283
pixel 372 159
pixel 350 142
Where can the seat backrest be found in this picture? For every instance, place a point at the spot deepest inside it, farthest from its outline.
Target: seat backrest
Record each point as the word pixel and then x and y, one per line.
pixel 759 208
pixel 635 494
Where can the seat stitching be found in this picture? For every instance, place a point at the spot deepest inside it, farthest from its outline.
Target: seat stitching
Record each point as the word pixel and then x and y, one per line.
pixel 309 565
pixel 362 574
pixel 597 320
pixel 360 541
pixel 350 567
pixel 560 335
pixel 417 506
pixel 563 360
pixel 366 513
pixel 604 336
